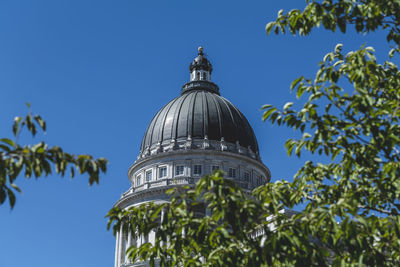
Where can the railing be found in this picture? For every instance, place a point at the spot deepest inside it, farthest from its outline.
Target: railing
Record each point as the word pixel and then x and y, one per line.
pixel 180 180
pixel 162 182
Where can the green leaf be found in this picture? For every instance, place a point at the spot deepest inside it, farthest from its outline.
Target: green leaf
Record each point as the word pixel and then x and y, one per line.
pixel 295 82
pixel 338 48
pixel 41 122
pixel 287 105
pixel 16 187
pixel 268 113
pixel 16 125
pixel 8 141
pixel 269 27
pixel 11 197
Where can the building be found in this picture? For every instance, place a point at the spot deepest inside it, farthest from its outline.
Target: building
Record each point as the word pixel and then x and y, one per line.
pixel 194 134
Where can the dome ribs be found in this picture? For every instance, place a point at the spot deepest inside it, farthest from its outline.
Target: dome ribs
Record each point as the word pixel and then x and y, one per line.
pixel 182 120
pixel 149 134
pixel 243 131
pixel 197 114
pixel 205 114
pixel 248 132
pixel 217 119
pixel 159 125
pixel 177 114
pixel 190 115
pixel 229 128
pixel 167 125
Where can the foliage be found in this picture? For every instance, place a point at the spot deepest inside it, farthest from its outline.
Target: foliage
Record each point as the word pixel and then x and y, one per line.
pixel 37 160
pixel 349 114
pixel 365 15
pixel 229 235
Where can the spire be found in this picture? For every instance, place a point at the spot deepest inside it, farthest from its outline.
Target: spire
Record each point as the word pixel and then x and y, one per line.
pixel 200 68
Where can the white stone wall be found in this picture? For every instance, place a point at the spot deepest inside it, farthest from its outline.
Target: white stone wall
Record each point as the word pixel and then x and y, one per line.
pixel 257 172
pixel 154 189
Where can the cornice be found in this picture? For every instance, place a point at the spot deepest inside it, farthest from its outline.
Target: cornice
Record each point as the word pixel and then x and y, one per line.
pixel 200 85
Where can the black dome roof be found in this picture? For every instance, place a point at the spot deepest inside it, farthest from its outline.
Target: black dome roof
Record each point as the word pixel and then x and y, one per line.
pixel 200 113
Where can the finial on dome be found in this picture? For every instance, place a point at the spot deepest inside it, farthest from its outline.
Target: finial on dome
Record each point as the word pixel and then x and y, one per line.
pixel 200 49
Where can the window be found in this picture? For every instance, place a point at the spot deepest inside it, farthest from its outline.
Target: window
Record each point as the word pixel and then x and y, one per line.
pixel 138 179
pixel 162 172
pixel 205 76
pixel 197 75
pixel 214 168
pixel 197 169
pixel 149 175
pixel 247 176
pixel 179 170
pixel 232 173
pixel 259 180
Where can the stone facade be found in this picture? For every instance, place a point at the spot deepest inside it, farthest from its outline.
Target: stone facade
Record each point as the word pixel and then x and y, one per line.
pixel 164 163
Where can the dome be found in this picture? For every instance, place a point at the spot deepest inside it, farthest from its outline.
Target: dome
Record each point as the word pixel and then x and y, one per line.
pixel 200 118
pixel 193 135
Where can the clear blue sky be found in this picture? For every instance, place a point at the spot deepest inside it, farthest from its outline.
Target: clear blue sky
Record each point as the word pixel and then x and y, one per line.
pixel 97 71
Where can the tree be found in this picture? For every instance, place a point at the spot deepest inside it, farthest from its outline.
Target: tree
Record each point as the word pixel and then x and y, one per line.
pixel 37 160
pixel 349 113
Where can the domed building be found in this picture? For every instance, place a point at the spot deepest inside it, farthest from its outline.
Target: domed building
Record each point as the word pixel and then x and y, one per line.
pixel 191 136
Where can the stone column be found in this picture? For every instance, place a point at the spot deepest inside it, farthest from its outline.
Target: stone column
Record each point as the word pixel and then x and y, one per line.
pixel 117 249
pixel 122 248
pixel 161 221
pixel 128 245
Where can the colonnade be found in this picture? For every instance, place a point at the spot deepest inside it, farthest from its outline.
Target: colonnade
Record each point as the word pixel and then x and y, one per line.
pixel 125 240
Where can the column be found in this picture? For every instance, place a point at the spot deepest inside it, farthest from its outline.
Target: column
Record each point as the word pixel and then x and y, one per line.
pixel 116 249
pixel 161 221
pixel 122 248
pixel 121 242
pixel 128 245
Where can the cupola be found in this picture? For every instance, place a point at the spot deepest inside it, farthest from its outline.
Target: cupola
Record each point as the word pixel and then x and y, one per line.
pixel 200 68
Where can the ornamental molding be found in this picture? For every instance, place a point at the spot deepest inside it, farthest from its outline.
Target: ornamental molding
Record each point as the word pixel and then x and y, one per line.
pixel 132 197
pixel 170 155
pixel 200 85
pixel 190 143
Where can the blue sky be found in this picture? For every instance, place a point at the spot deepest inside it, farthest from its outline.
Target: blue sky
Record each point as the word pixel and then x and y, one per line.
pixel 97 72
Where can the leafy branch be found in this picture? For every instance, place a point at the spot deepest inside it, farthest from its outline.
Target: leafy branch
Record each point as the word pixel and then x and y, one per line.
pixel 39 159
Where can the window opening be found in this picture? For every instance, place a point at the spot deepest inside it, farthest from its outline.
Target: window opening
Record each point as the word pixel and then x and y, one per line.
pixel 179 170
pixel 214 168
pixel 163 172
pixel 197 169
pixel 247 176
pixel 232 173
pixel 138 179
pixel 149 176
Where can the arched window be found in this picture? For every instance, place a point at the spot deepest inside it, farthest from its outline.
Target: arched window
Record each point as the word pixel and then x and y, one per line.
pixel 197 75
pixel 205 76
